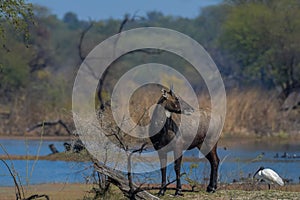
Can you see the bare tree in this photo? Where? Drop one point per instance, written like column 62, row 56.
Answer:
column 20, row 195
column 127, row 19
column 50, row 123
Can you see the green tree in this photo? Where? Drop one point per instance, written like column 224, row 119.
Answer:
column 71, row 19
column 264, row 38
column 15, row 16
column 14, row 70
column 16, row 13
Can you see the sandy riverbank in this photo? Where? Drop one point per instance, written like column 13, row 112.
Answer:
column 60, row 191
column 57, row 191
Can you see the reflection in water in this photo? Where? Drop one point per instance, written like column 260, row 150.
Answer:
column 237, row 162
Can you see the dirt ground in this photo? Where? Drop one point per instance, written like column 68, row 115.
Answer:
column 225, row 192
column 55, row 191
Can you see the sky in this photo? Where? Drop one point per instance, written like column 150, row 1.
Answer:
column 105, row 9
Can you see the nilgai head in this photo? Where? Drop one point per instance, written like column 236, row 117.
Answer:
column 174, row 104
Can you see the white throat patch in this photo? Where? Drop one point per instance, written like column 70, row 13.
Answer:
column 168, row 113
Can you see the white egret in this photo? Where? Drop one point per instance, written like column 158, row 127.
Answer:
column 269, row 176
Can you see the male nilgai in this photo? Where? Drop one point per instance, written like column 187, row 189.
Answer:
column 166, row 136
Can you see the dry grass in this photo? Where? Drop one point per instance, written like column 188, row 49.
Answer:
column 83, row 192
column 250, row 112
column 255, row 112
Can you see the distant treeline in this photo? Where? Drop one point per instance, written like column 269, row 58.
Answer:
column 253, row 42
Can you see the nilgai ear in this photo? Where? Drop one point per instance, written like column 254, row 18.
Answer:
column 171, row 89
column 164, row 93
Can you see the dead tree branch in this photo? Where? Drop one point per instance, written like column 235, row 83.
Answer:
column 117, row 136
column 50, row 123
column 13, row 173
column 80, row 50
column 127, row 19
column 82, row 35
column 132, row 190
column 101, row 79
column 36, row 196
column 122, row 183
column 18, row 193
column 170, row 188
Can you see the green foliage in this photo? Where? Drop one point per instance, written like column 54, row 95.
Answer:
column 71, row 20
column 17, row 13
column 283, row 134
column 191, row 172
column 263, row 37
column 13, row 76
column 14, row 72
column 250, row 40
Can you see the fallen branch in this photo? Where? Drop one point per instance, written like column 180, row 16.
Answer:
column 50, row 123
column 36, row 196
column 122, row 183
column 170, row 188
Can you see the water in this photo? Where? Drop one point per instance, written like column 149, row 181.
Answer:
column 239, row 160
column 29, row 147
column 41, row 171
column 244, row 158
column 31, row 172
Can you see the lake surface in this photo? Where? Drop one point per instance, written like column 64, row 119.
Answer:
column 237, row 161
column 41, row 171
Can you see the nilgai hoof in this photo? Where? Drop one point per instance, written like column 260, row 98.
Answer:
column 178, row 193
column 161, row 192
column 210, row 189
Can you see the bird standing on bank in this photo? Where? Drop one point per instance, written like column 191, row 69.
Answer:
column 269, row 176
